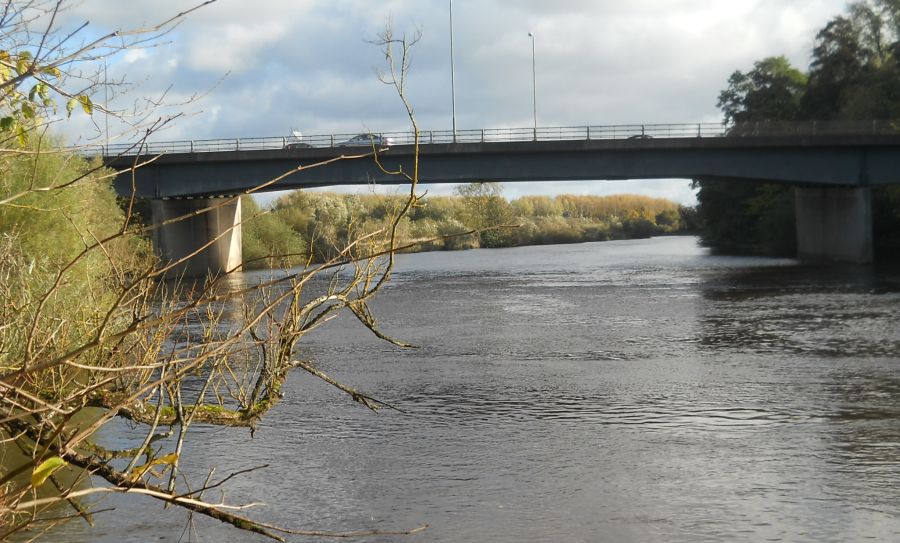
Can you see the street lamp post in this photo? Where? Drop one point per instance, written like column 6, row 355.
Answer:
column 452, row 75
column 533, row 83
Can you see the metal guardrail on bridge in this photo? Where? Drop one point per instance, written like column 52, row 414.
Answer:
column 490, row 135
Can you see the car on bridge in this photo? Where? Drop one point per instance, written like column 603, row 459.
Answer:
column 366, row 140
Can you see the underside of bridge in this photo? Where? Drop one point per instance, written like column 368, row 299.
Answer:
column 197, row 237
column 202, row 236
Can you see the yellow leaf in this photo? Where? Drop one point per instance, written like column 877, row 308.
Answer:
column 140, row 471
column 167, row 459
column 86, row 104
column 46, row 469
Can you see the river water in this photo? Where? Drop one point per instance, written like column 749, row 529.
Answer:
column 632, row 391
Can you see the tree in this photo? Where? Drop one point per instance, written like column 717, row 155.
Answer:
column 751, row 217
column 268, row 240
column 854, row 74
column 772, row 90
column 91, row 333
column 839, row 59
column 488, row 212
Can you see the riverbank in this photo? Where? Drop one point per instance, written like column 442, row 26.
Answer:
column 307, row 225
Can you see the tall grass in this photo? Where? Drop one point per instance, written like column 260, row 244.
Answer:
column 46, row 230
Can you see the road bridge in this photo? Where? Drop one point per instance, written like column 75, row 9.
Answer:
column 832, row 165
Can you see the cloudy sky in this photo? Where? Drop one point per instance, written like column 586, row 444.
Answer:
column 267, row 66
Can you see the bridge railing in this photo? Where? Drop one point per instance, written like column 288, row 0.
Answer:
column 496, row 135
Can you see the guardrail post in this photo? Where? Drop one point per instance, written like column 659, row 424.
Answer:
column 237, row 144
column 431, row 136
column 699, row 135
column 332, row 140
column 588, row 132
column 482, row 135
column 192, row 146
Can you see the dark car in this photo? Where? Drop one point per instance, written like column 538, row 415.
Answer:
column 297, row 145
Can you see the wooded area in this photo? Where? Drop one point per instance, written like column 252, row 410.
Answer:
column 854, row 74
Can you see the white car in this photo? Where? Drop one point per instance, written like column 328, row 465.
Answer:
column 366, row 140
column 295, row 141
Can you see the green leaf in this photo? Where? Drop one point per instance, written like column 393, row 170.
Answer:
column 46, row 469
column 86, row 104
column 22, row 135
column 7, row 122
column 70, row 105
column 27, row 111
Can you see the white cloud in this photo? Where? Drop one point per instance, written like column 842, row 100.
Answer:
column 308, row 64
column 135, row 55
column 235, row 46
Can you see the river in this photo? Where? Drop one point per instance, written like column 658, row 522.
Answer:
column 631, row 391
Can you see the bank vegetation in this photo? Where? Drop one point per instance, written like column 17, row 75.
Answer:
column 305, row 225
column 94, row 329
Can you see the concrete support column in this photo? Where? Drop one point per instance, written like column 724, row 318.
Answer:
column 834, row 224
column 214, row 235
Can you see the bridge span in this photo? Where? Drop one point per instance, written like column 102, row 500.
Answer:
column 832, row 165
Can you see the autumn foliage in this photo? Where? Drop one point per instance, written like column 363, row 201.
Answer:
column 304, row 225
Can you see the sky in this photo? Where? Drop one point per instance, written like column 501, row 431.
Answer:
column 262, row 68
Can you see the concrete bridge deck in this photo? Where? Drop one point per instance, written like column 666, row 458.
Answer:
column 818, row 155
column 833, row 166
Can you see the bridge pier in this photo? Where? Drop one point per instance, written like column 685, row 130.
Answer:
column 214, row 235
column 834, row 224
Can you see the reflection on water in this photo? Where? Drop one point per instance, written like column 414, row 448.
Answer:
column 847, row 311
column 623, row 391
